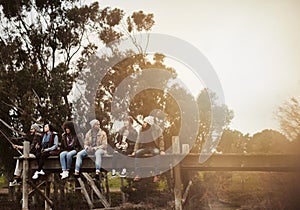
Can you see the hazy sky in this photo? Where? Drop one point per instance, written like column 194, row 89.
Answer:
column 254, row 47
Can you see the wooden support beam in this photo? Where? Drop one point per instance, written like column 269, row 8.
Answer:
column 26, row 149
column 85, row 193
column 177, row 188
column 96, row 190
column 186, row 192
column 46, row 198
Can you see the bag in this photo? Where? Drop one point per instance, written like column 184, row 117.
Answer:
column 55, row 152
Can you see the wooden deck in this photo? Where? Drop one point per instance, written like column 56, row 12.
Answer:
column 177, row 163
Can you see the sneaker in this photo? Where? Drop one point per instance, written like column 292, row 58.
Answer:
column 65, row 174
column 35, row 175
column 156, row 179
column 41, row 172
column 14, row 183
column 97, row 172
column 123, row 173
column 113, row 173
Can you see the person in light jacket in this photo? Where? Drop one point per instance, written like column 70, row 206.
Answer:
column 95, row 143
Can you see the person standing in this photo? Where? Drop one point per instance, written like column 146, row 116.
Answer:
column 70, row 145
column 95, row 143
column 48, row 147
column 124, row 144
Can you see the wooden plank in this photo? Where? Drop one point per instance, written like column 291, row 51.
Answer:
column 25, row 165
column 47, row 199
column 96, row 190
column 177, row 188
column 85, row 193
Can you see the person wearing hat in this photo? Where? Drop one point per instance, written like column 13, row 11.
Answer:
column 150, row 141
column 95, row 143
column 35, row 138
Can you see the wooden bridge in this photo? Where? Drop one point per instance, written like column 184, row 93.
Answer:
column 176, row 162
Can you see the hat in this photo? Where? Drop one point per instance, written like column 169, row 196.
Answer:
column 93, row 122
column 35, row 126
column 149, row 120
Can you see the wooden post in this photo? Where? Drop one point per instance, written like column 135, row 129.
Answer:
column 122, row 192
column 175, row 144
column 47, row 194
column 177, row 188
column 25, row 176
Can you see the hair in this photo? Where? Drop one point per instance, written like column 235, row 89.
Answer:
column 51, row 129
column 70, row 125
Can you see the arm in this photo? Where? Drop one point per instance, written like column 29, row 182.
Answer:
column 102, row 141
column 55, row 145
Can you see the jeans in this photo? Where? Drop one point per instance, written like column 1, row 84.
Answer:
column 80, row 155
column 65, row 158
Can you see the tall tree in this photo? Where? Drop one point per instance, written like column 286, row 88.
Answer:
column 289, row 118
column 40, row 41
column 213, row 116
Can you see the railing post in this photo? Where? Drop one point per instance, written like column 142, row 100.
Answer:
column 25, row 176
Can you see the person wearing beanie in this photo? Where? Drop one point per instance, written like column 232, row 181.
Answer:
column 95, row 143
column 149, row 142
column 124, row 144
column 35, row 139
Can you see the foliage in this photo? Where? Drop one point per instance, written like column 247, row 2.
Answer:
column 289, row 118
column 210, row 110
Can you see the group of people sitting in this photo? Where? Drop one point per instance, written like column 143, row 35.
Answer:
column 127, row 143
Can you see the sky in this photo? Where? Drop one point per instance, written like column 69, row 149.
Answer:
column 253, row 46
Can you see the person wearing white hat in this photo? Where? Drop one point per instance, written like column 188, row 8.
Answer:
column 95, row 143
column 148, row 143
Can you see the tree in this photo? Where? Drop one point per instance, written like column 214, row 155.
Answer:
column 268, row 141
column 233, row 141
column 40, row 42
column 289, row 118
column 213, row 116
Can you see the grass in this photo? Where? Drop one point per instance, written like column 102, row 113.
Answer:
column 2, row 181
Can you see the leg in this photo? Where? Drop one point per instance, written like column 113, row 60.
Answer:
column 42, row 160
column 79, row 158
column 155, row 153
column 62, row 159
column 138, row 154
column 70, row 158
column 98, row 155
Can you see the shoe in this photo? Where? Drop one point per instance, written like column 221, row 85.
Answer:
column 137, row 178
column 113, row 173
column 65, row 174
column 15, row 182
column 41, row 172
column 35, row 175
column 123, row 173
column 156, row 179
column 76, row 174
column 97, row 172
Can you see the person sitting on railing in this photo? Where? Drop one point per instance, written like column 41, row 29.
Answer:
column 124, row 144
column 70, row 145
column 48, row 147
column 150, row 141
column 95, row 143
column 35, row 139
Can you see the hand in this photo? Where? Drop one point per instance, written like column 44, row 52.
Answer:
column 43, row 150
column 162, row 152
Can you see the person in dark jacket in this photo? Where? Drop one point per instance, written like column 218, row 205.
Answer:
column 35, row 139
column 70, row 145
column 150, row 141
column 48, row 147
